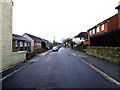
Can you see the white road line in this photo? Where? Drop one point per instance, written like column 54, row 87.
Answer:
column 99, row 71
column 43, row 54
column 48, row 58
column 12, row 73
column 73, row 54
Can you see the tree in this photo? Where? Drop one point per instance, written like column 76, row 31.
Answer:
column 43, row 45
column 68, row 42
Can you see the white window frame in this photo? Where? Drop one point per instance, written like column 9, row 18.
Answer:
column 90, row 32
column 25, row 44
column 16, row 43
column 102, row 27
column 21, row 44
column 98, row 29
column 93, row 31
column 28, row 44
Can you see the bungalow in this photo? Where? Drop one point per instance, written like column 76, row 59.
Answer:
column 35, row 41
column 20, row 43
column 80, row 37
column 105, row 33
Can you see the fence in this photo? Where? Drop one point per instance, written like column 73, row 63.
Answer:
column 106, row 39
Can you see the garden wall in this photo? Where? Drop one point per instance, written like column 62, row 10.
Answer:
column 31, row 54
column 111, row 54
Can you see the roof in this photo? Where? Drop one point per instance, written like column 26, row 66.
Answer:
column 45, row 40
column 118, row 7
column 102, row 22
column 82, row 34
column 20, row 38
column 36, row 39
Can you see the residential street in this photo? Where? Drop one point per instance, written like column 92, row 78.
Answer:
column 57, row 70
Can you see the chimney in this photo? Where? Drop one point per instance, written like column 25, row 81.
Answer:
column 118, row 7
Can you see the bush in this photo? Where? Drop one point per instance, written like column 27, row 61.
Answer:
column 43, row 45
column 81, row 47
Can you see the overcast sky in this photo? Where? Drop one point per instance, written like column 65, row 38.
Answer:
column 59, row 18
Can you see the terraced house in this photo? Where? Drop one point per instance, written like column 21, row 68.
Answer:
column 105, row 33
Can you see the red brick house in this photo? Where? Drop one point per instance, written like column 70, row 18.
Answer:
column 105, row 33
column 20, row 43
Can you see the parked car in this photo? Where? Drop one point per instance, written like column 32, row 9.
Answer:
column 55, row 48
column 59, row 47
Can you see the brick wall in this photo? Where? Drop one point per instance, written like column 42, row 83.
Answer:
column 88, row 37
column 109, row 26
column 32, row 41
column 113, row 23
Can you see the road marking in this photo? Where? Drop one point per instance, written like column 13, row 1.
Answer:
column 43, row 54
column 48, row 58
column 100, row 72
column 73, row 54
column 3, row 78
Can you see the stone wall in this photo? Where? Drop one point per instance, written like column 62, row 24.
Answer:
column 111, row 54
column 7, row 57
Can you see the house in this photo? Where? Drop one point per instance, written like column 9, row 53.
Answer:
column 105, row 33
column 80, row 37
column 35, row 41
column 20, row 43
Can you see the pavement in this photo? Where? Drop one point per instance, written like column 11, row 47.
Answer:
column 18, row 67
column 56, row 70
column 110, row 69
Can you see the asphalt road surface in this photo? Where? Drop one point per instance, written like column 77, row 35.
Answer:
column 57, row 70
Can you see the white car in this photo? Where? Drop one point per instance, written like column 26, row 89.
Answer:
column 55, row 48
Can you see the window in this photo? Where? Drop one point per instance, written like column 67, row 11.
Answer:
column 93, row 31
column 28, row 44
column 16, row 43
column 102, row 27
column 21, row 44
column 25, row 44
column 90, row 32
column 37, row 44
column 98, row 29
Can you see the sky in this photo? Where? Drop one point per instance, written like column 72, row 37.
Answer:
column 59, row 18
